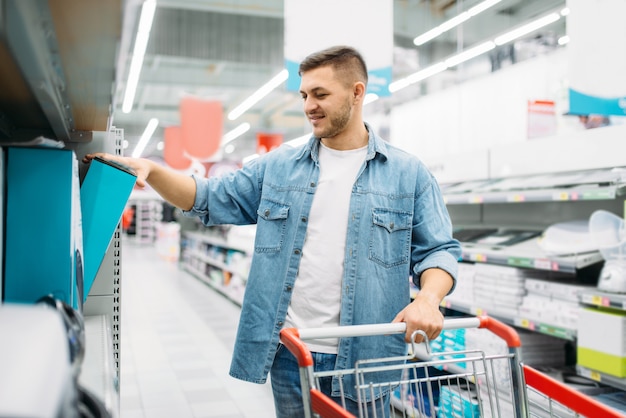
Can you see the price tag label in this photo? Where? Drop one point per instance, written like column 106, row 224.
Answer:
column 596, row 300
column 595, row 375
column 515, row 198
column 543, row 264
column 525, row 323
column 561, row 196
column 479, row 257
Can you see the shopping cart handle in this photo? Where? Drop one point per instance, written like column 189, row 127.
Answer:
column 293, row 338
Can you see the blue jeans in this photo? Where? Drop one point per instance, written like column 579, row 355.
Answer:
column 285, row 378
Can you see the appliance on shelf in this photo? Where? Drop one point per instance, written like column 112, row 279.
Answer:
column 43, row 230
column 608, row 232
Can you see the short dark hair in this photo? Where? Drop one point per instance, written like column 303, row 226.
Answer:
column 344, row 59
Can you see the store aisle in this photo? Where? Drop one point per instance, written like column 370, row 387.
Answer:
column 177, row 338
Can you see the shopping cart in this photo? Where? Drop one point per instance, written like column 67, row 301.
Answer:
column 469, row 383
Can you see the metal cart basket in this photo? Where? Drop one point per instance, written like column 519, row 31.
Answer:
column 455, row 384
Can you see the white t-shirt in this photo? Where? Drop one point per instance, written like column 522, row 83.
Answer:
column 316, row 298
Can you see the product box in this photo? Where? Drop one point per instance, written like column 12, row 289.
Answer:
column 43, row 254
column 103, row 196
column 602, row 341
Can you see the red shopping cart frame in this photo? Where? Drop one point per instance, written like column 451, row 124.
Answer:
column 542, row 383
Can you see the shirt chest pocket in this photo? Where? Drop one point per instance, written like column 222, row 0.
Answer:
column 271, row 226
column 390, row 238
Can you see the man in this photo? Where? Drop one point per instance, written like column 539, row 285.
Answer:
column 342, row 222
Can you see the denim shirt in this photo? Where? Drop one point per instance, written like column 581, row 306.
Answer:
column 398, row 227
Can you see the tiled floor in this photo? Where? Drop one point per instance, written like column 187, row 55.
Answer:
column 177, row 338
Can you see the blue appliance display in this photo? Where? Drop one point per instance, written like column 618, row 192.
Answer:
column 43, row 233
column 103, row 196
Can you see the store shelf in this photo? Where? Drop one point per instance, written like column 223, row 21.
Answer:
column 532, row 325
column 549, row 195
column 528, row 254
column 215, row 241
column 235, row 295
column 98, row 373
column 604, row 299
column 607, row 379
column 58, row 68
column 604, row 184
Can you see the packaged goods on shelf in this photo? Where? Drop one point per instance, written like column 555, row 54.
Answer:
column 556, row 289
column 546, row 310
column 602, row 341
column 464, row 290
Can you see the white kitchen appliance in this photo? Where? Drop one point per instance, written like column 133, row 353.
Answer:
column 608, row 232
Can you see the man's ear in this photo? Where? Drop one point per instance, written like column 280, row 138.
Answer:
column 358, row 90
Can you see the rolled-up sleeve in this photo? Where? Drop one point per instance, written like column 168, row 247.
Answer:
column 201, row 203
column 433, row 245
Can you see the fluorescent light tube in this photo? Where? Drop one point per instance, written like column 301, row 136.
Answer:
column 235, row 133
column 469, row 54
column 145, row 137
column 454, row 22
column 527, row 28
column 479, row 8
column 139, row 51
column 259, row 94
column 417, row 77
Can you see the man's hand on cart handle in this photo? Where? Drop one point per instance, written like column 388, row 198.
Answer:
column 423, row 313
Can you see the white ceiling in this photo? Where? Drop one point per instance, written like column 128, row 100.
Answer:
column 225, row 50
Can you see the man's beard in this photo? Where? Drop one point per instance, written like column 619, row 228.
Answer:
column 338, row 122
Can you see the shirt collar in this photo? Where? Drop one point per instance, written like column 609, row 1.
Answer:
column 375, row 145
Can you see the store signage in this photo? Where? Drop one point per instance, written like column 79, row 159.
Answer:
column 597, row 63
column 366, row 25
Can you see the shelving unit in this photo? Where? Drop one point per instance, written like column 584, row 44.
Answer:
column 148, row 214
column 56, row 82
column 531, row 325
column 603, row 300
column 217, row 263
column 534, row 202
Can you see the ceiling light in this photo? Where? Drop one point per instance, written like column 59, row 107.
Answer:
column 259, row 94
column 479, row 8
column 563, row 40
column 418, row 76
column 469, row 54
column 235, row 133
column 139, row 51
column 527, row 28
column 454, row 22
column 145, row 137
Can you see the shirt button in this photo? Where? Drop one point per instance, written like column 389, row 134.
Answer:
column 312, row 184
column 296, row 251
column 303, row 219
column 391, row 225
column 267, row 212
column 280, row 323
column 289, row 288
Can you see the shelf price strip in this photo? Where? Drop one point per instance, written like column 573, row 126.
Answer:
column 591, row 374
